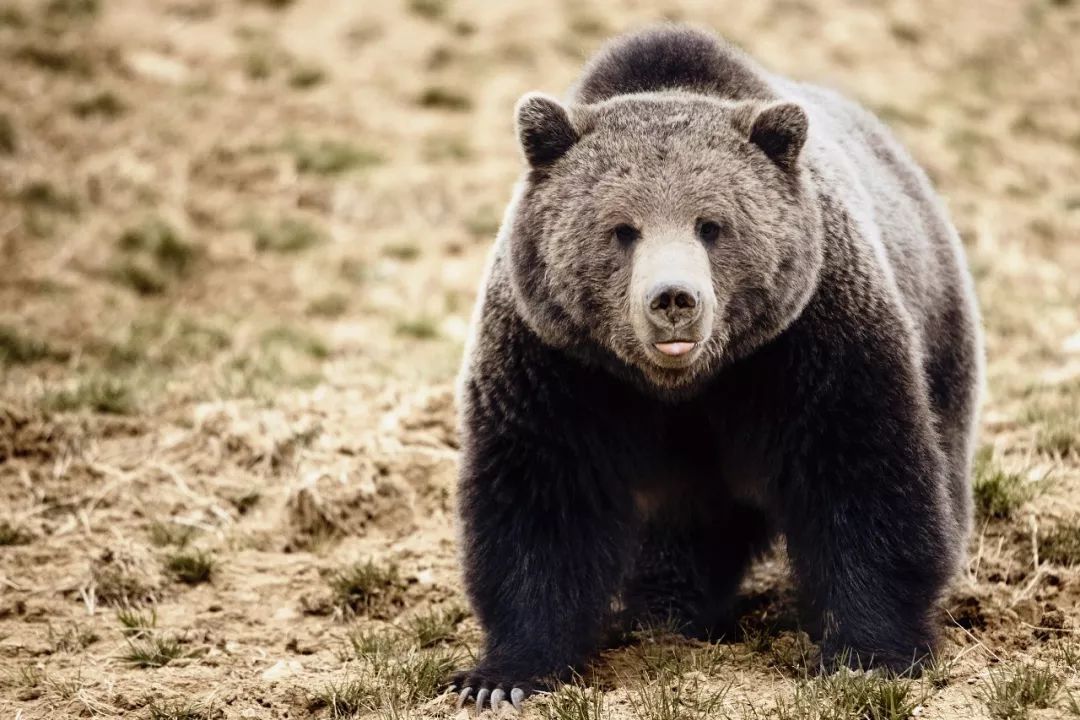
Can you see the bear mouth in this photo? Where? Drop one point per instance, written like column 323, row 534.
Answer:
column 675, row 348
column 674, row 354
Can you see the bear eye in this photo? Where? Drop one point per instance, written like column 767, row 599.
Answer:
column 625, row 234
column 708, row 230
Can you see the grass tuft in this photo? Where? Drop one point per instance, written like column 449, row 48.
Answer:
column 191, row 568
column 305, row 76
column 1061, row 546
column 163, row 534
column 1059, row 439
column 355, row 271
column 13, row 535
column 164, row 342
column 103, row 104
column 43, row 195
column 350, row 697
column 484, row 223
column 123, row 582
column 163, row 243
column 177, row 710
column 295, row 339
column 329, row 157
column 140, row 277
column 998, row 494
column 331, row 305
column 8, row 138
column 588, row 25
column 420, row 675
column 71, row 639
column 135, row 622
column 402, row 251
column 1010, row 694
column 852, row 694
column 389, row 688
column 377, row 646
column 429, row 9
column 755, row 635
column 16, row 348
column 13, row 17
column 939, row 672
column 244, row 502
column 442, row 148
column 259, row 62
column 676, row 697
column 1067, row 652
column 287, row 235
column 1056, row 415
column 56, row 59
column 106, row 395
column 436, row 627
column 421, row 328
column 26, row 678
column 154, row 651
column 367, row 588
column 575, row 702
column 76, row 9
column 262, row 375
column 438, row 97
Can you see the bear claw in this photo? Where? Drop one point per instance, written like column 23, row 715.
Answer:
column 492, row 699
column 487, row 692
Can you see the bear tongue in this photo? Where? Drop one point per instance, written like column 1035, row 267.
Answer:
column 675, row 348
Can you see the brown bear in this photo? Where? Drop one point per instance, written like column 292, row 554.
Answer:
column 723, row 306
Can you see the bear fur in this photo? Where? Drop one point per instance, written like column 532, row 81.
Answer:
column 830, row 395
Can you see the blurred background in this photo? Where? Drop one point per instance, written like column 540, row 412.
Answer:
column 239, row 246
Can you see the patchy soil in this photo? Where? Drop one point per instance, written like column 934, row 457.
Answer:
column 240, row 242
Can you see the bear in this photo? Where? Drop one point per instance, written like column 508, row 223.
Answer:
column 724, row 307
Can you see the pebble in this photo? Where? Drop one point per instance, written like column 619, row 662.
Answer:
column 281, row 670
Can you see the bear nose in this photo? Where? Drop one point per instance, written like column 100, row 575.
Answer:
column 673, row 304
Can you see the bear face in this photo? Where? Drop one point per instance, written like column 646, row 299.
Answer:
column 663, row 234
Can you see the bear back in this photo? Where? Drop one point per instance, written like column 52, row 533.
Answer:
column 671, row 57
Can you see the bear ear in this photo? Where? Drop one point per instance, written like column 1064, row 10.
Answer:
column 779, row 130
column 544, row 129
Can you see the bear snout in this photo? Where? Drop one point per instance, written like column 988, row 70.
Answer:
column 672, row 302
column 673, row 305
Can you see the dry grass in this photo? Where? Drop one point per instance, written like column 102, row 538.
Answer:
column 576, row 702
column 240, row 244
column 287, row 235
column 1012, row 694
column 367, row 588
column 1061, row 545
column 13, row 535
column 436, row 627
column 191, row 568
column 998, row 494
column 181, row 710
column 135, row 621
column 154, row 651
column 329, row 157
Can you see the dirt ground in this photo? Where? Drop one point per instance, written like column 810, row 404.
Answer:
column 240, row 243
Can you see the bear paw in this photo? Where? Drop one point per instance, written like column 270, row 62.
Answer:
column 489, row 689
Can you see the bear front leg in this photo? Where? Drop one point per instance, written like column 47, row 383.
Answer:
column 866, row 513
column 546, row 544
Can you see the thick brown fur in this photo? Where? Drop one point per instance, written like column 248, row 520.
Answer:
column 831, row 395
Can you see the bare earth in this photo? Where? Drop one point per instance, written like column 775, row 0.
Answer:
column 239, row 246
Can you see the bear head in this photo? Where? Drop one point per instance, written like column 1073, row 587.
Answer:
column 663, row 234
